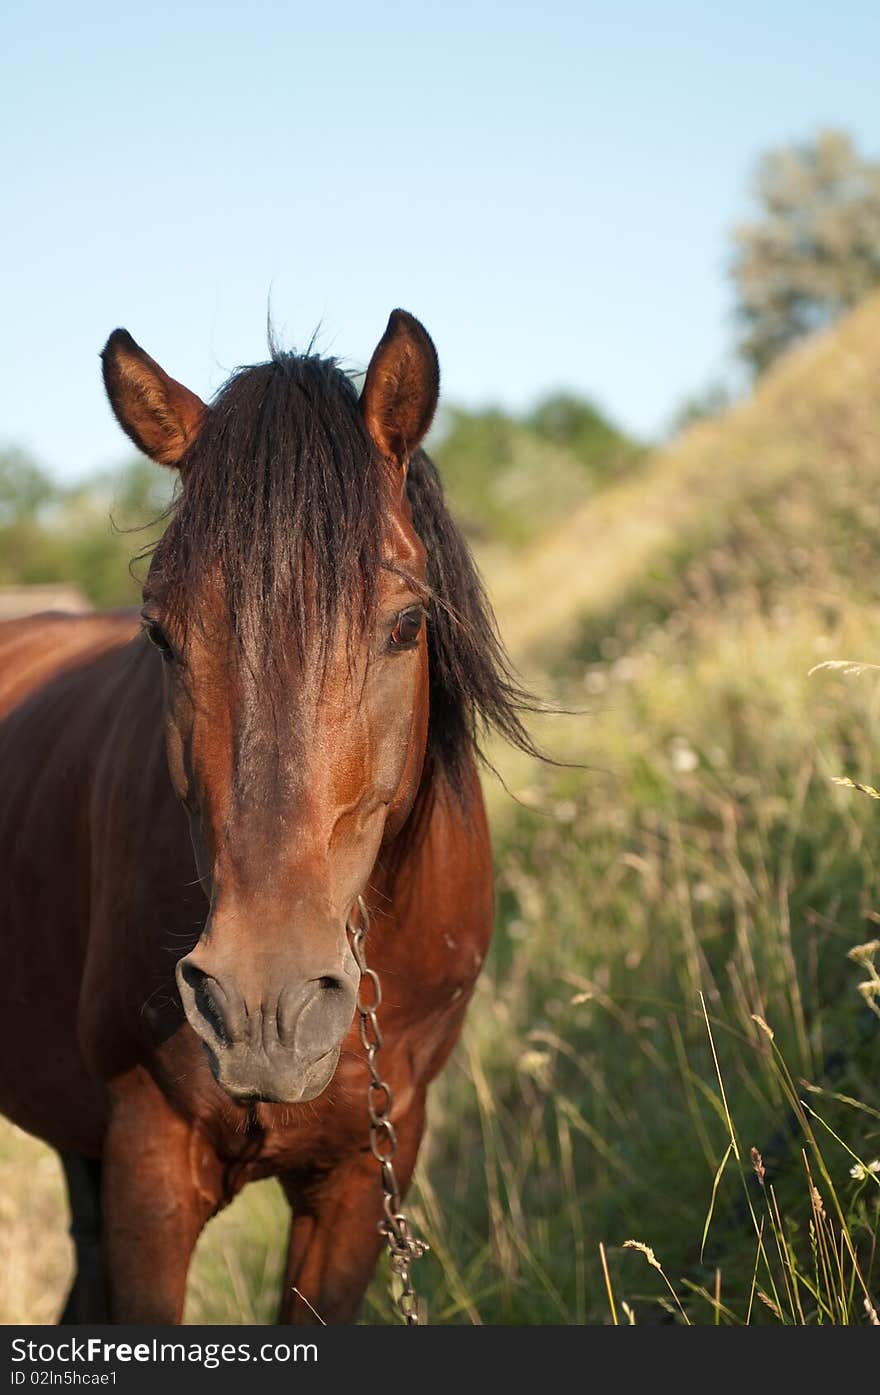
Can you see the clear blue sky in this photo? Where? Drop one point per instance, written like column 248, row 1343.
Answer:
column 548, row 186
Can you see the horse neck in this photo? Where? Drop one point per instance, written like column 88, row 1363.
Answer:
column 437, row 800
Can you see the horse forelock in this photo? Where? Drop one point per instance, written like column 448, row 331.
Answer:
column 285, row 502
column 282, row 503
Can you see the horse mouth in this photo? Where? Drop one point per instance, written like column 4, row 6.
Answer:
column 272, row 1080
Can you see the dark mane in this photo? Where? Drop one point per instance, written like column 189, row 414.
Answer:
column 285, row 494
column 473, row 685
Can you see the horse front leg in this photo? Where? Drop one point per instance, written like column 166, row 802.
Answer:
column 334, row 1235
column 160, row 1185
column 87, row 1300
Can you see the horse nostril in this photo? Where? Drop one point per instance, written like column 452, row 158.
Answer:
column 206, row 991
column 315, row 1016
column 334, row 985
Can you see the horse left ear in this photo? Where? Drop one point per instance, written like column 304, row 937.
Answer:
column 401, row 388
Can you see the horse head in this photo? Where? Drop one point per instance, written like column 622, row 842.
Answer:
column 287, row 604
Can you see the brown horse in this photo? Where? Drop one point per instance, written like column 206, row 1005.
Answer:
column 204, row 792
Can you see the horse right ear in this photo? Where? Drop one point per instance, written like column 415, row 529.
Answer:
column 160, row 415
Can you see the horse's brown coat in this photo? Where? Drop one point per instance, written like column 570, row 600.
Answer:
column 100, row 897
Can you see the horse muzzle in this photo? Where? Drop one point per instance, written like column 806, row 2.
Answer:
column 278, row 1042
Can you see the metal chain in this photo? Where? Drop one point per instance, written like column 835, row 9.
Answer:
column 403, row 1246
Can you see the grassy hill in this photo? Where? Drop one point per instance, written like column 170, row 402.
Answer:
column 819, row 410
column 672, row 980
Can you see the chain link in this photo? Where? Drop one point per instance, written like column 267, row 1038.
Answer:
column 403, row 1245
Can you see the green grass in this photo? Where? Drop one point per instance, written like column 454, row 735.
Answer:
column 714, row 857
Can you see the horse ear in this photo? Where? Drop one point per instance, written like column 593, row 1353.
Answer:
column 401, row 388
column 160, row 415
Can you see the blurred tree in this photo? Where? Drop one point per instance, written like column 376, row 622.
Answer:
column 815, row 250
column 140, row 491
column 24, row 487
column 579, row 426
column 508, row 477
column 86, row 533
column 479, row 454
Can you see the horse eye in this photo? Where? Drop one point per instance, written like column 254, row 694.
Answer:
column 157, row 636
column 407, row 629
